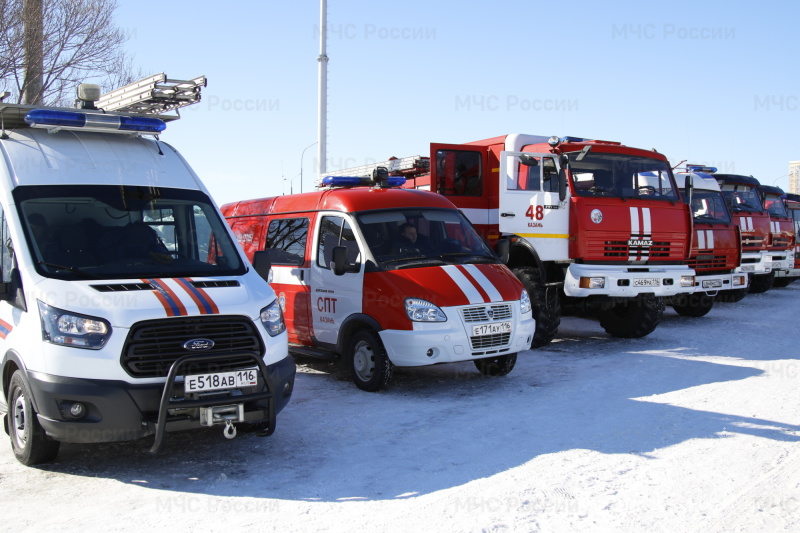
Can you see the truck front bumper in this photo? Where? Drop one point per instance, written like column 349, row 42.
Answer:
column 628, row 281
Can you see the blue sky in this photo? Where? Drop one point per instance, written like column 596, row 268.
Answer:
column 708, row 82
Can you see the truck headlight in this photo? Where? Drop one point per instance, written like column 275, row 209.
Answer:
column 423, row 311
column 272, row 319
column 72, row 329
column 687, row 281
column 524, row 302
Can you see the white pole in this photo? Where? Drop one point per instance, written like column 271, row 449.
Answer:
column 322, row 119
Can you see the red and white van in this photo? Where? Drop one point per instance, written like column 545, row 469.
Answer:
column 351, row 284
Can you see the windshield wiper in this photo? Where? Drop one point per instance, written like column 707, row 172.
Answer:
column 468, row 254
column 72, row 269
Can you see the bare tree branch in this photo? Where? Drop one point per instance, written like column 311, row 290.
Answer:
column 80, row 43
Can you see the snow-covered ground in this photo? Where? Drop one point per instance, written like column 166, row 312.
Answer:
column 694, row 428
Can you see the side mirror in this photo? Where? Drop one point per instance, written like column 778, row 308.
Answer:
column 4, row 290
column 262, row 264
column 503, row 249
column 688, row 185
column 563, row 162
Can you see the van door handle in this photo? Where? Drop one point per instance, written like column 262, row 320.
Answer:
column 507, row 214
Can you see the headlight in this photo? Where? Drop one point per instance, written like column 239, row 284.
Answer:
column 423, row 311
column 72, row 329
column 524, row 302
column 272, row 319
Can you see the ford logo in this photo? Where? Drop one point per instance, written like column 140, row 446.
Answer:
column 197, row 345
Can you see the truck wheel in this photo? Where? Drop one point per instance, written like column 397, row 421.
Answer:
column 694, row 305
column 496, row 366
column 633, row 318
column 782, row 282
column 368, row 362
column 732, row 296
column 28, row 440
column 546, row 305
column 762, row 283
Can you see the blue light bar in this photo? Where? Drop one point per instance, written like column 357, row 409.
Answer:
column 573, row 139
column 701, row 168
column 356, row 181
column 49, row 118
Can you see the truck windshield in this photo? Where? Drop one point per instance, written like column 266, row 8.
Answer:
column 742, row 198
column 709, row 206
column 774, row 205
column 399, row 236
column 622, row 176
column 114, row 232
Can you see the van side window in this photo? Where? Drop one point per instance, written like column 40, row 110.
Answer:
column 336, row 231
column 459, row 173
column 286, row 241
column 8, row 266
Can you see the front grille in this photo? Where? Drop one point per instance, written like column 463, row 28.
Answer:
column 490, row 341
column 621, row 249
column 486, row 313
column 752, row 243
column 153, row 345
column 709, row 261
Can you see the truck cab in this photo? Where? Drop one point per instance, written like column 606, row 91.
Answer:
column 126, row 308
column 716, row 246
column 792, row 202
column 744, row 201
column 782, row 237
column 385, row 277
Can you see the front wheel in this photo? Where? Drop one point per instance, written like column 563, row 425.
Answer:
column 545, row 302
column 731, row 296
column 28, row 440
column 496, row 366
column 782, row 282
column 761, row 283
column 693, row 305
column 369, row 364
column 633, row 317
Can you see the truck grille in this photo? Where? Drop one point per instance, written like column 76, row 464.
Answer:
column 153, row 345
column 752, row 243
column 488, row 313
column 489, row 341
column 709, row 261
column 620, row 249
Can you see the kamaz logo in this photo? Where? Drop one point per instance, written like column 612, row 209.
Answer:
column 640, row 242
column 197, row 345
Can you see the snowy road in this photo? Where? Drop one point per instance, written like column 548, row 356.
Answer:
column 694, row 428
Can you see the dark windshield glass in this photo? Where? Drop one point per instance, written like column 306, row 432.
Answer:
column 403, row 235
column 742, row 198
column 622, row 176
column 112, row 232
column 774, row 205
column 709, row 206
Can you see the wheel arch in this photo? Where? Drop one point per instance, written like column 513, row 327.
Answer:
column 350, row 325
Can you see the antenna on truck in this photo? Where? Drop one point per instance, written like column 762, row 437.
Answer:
column 153, row 95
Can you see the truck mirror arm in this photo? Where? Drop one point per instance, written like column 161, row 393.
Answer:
column 262, row 264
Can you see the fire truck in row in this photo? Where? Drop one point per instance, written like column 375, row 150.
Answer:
column 792, row 202
column 596, row 228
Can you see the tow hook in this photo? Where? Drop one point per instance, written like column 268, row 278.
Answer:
column 230, row 430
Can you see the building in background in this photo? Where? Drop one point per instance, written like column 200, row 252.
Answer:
column 794, row 177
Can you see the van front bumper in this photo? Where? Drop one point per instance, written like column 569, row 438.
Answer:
column 119, row 411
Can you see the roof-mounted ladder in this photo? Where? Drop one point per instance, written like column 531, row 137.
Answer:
column 153, row 95
column 407, row 167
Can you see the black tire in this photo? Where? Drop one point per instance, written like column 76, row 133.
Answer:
column 761, row 283
column 731, row 296
column 28, row 440
column 693, row 305
column 496, row 366
column 545, row 302
column 782, row 282
column 632, row 318
column 369, row 364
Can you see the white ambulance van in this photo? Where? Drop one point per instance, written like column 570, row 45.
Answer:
column 126, row 307
column 382, row 276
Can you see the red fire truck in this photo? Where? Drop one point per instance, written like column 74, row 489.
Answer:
column 792, row 202
column 741, row 193
column 781, row 241
column 595, row 227
column 716, row 245
column 385, row 276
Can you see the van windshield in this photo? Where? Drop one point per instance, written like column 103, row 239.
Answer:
column 114, row 232
column 398, row 238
